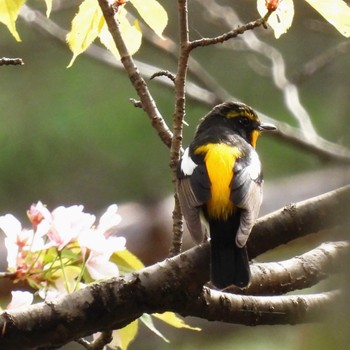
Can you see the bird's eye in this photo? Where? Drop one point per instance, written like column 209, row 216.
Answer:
column 244, row 121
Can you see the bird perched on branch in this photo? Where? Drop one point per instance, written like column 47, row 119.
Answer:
column 220, row 188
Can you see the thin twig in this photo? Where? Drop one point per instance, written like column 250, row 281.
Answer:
column 210, row 95
column 4, row 61
column 136, row 103
column 231, row 34
column 133, row 72
column 176, row 245
column 100, row 342
column 195, row 69
column 164, row 73
column 178, row 118
column 290, row 92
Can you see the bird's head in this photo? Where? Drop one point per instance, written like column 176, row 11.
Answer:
column 236, row 117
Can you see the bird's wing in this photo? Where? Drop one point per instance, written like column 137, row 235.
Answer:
column 193, row 187
column 246, row 193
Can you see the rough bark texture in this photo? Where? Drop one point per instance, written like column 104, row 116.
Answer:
column 177, row 285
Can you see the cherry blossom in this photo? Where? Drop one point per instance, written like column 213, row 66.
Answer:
column 37, row 213
column 99, row 248
column 54, row 255
column 109, row 219
column 17, row 240
column 64, row 225
column 20, row 299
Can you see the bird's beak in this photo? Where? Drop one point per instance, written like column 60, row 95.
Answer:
column 266, row 127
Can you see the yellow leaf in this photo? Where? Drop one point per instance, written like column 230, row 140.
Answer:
column 171, row 319
column 336, row 12
column 131, row 34
column 86, row 26
column 148, row 322
column 281, row 19
column 126, row 261
column 8, row 14
column 153, row 13
column 123, row 337
column 48, row 7
column 66, row 279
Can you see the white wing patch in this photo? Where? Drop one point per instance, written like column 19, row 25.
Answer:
column 187, row 164
column 254, row 168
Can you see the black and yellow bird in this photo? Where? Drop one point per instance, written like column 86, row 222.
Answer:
column 219, row 183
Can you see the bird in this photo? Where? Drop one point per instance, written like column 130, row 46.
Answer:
column 219, row 183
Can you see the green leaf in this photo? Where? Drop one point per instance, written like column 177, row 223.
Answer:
column 281, row 19
column 336, row 12
column 126, row 261
column 70, row 255
column 131, row 35
column 148, row 322
column 50, row 256
column 153, row 13
column 86, row 26
column 124, row 336
column 171, row 319
column 9, row 10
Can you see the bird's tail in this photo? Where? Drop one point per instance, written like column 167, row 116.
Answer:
column 229, row 263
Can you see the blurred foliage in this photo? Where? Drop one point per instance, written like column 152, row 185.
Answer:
column 71, row 135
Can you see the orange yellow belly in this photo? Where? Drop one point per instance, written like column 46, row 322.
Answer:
column 219, row 159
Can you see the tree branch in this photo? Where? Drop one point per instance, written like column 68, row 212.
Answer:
column 300, row 272
column 297, row 220
column 5, row 61
column 137, row 81
column 231, row 34
column 177, row 285
column 178, row 118
column 323, row 149
column 253, row 311
column 278, row 66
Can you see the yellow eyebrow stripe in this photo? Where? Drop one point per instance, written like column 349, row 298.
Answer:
column 219, row 160
column 241, row 113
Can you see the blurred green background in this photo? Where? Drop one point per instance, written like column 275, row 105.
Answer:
column 71, row 136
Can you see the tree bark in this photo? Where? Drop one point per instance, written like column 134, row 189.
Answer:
column 177, row 285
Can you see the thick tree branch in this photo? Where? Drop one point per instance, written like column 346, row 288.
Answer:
column 252, row 311
column 177, row 285
column 297, row 220
column 300, row 272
